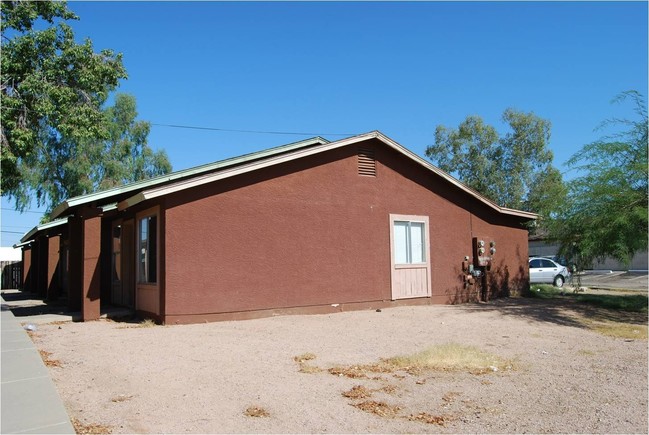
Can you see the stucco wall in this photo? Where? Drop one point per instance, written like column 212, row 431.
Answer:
column 314, row 232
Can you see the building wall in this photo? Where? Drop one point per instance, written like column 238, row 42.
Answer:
column 313, row 232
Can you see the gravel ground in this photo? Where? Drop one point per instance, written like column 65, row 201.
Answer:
column 202, row 378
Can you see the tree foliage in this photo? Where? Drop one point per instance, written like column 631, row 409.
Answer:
column 606, row 213
column 56, row 139
column 514, row 170
column 72, row 168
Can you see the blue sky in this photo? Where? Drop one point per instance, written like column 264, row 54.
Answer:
column 351, row 67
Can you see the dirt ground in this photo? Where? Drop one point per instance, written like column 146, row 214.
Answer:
column 241, row 377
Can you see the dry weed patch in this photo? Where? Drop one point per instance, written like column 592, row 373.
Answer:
column 49, row 362
column 93, row 429
column 450, row 357
column 147, row 323
column 256, row 411
column 121, row 398
column 302, row 361
column 445, row 357
column 358, row 392
column 381, row 409
column 429, row 418
column 450, row 396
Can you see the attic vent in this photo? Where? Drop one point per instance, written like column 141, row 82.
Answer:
column 366, row 162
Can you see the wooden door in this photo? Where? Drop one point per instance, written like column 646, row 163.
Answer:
column 410, row 253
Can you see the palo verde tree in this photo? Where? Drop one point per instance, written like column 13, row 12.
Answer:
column 54, row 133
column 606, row 211
column 512, row 169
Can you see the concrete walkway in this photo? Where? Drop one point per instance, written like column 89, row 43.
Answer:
column 30, row 402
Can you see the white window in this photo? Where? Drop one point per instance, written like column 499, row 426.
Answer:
column 409, row 242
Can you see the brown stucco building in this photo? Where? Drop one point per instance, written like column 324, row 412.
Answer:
column 313, row 226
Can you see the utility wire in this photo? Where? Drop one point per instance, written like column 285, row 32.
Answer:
column 252, row 131
column 24, row 211
column 191, row 127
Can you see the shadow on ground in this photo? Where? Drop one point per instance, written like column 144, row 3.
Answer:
column 563, row 311
column 25, row 305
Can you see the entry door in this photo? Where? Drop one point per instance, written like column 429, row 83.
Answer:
column 410, row 252
column 122, row 264
column 128, row 263
column 116, row 264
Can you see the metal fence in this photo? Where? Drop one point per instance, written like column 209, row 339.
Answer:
column 12, row 274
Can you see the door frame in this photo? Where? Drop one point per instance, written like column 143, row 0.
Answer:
column 423, row 269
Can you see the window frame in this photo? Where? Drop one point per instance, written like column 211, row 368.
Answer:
column 140, row 217
column 425, row 249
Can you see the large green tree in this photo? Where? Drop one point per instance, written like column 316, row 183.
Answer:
column 606, row 211
column 56, row 140
column 513, row 169
column 71, row 168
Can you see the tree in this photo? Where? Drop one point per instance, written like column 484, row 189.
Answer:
column 57, row 141
column 514, row 170
column 71, row 168
column 606, row 213
column 52, row 91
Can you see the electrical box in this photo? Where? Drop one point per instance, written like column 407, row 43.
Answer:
column 484, row 249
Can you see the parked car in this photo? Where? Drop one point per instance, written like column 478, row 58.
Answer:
column 544, row 270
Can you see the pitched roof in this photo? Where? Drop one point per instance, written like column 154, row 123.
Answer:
column 108, row 195
column 134, row 193
column 156, row 191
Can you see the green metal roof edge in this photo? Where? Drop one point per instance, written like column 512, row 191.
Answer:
column 45, row 226
column 83, row 199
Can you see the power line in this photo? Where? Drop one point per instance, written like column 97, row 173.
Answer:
column 11, row 232
column 24, row 211
column 192, row 127
column 252, row 131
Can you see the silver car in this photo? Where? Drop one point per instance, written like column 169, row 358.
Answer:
column 544, row 270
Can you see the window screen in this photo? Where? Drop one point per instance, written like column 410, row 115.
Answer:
column 409, row 242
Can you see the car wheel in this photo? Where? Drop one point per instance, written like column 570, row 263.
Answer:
column 558, row 281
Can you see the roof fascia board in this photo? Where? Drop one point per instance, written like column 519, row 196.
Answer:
column 198, row 181
column 37, row 229
column 21, row 244
column 144, row 184
column 455, row 181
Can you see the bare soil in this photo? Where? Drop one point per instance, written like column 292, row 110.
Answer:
column 273, row 375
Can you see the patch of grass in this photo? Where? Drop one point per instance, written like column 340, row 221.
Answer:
column 93, row 429
column 632, row 303
column 256, row 411
column 545, row 291
column 619, row 330
column 353, row 372
column 586, row 352
column 48, row 361
column 381, row 409
column 624, row 302
column 451, row 357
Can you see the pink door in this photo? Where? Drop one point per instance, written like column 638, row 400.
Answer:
column 410, row 262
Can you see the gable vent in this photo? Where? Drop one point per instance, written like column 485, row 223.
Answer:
column 366, row 162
